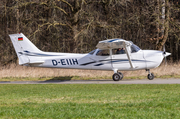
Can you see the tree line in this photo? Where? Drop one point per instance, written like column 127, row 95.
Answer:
column 77, row 25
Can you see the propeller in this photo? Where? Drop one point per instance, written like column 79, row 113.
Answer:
column 164, row 53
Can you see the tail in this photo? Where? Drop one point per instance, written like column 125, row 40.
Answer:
column 25, row 49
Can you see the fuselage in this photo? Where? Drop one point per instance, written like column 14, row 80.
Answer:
column 142, row 59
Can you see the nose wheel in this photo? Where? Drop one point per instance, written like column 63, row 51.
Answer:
column 150, row 76
column 117, row 76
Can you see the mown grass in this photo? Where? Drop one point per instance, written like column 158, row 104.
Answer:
column 89, row 101
column 62, row 78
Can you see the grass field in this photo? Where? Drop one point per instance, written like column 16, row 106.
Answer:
column 89, row 101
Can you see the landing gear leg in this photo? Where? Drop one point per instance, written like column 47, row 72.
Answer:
column 117, row 76
column 150, row 75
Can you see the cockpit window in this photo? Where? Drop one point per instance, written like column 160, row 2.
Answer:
column 118, row 51
column 103, row 53
column 134, row 48
column 92, row 52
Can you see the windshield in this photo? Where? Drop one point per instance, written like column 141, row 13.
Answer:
column 134, row 48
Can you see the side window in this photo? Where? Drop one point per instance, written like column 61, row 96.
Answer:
column 118, row 51
column 103, row 53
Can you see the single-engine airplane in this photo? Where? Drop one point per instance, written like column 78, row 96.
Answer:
column 112, row 54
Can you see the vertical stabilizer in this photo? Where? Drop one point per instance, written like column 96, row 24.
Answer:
column 23, row 45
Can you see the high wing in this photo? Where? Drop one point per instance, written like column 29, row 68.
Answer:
column 116, row 43
column 112, row 43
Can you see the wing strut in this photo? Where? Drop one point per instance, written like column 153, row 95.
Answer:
column 127, row 52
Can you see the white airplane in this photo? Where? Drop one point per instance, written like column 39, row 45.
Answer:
column 112, row 54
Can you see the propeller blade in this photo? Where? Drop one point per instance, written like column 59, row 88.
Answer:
column 164, row 49
column 165, row 61
column 164, row 53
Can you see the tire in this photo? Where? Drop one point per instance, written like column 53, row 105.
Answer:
column 120, row 75
column 150, row 76
column 116, row 76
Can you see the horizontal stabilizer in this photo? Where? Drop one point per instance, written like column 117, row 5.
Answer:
column 36, row 62
column 31, row 62
column 23, row 59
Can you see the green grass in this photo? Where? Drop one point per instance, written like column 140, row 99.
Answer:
column 78, row 78
column 89, row 101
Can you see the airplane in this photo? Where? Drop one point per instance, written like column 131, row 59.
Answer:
column 111, row 54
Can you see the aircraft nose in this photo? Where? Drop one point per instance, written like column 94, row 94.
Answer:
column 166, row 54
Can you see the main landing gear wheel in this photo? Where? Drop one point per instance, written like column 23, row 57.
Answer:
column 150, row 76
column 117, row 76
column 121, row 75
